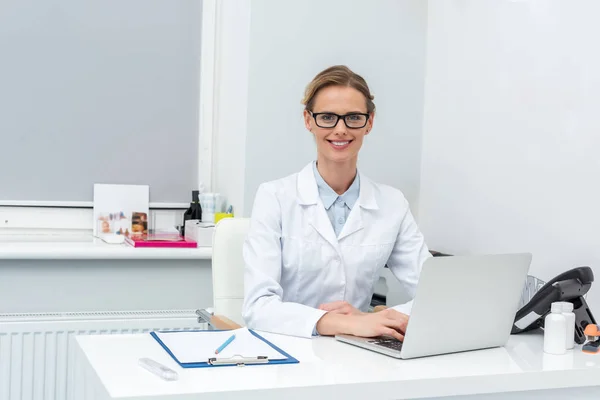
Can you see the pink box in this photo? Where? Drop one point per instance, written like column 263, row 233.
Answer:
column 161, row 241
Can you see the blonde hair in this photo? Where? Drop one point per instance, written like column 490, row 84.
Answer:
column 338, row 75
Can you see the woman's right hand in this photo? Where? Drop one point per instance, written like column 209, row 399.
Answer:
column 388, row 322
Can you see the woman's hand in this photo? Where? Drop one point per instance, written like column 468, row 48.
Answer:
column 388, row 322
column 340, row 307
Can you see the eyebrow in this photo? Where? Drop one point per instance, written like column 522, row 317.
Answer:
column 348, row 113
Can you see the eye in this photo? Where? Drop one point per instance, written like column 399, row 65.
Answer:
column 355, row 117
column 326, row 117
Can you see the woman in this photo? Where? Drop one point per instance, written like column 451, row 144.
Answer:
column 318, row 239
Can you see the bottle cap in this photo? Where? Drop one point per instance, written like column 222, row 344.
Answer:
column 556, row 307
column 567, row 306
column 195, row 196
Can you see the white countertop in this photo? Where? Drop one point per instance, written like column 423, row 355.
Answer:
column 330, row 369
column 84, row 247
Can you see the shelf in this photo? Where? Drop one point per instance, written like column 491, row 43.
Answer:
column 86, row 247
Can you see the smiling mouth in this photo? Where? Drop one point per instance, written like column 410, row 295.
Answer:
column 340, row 143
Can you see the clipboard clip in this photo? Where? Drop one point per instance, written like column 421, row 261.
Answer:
column 204, row 315
column 239, row 360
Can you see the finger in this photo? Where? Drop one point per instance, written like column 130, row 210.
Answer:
column 390, row 312
column 398, row 316
column 393, row 333
column 399, row 326
column 403, row 319
column 328, row 307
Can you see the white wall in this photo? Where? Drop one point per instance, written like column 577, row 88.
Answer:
column 231, row 100
column 291, row 41
column 511, row 132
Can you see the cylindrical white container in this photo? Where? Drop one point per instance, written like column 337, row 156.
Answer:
column 567, row 311
column 555, row 330
column 207, row 202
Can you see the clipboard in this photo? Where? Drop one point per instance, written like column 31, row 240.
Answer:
column 237, row 360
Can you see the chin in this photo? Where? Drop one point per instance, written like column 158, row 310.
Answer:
column 341, row 157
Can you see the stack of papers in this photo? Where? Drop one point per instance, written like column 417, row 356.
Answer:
column 198, row 347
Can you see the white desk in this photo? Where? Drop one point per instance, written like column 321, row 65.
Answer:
column 331, row 370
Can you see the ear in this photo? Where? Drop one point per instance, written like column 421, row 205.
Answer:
column 370, row 122
column 307, row 120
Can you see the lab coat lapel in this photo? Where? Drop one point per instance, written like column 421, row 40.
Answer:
column 366, row 201
column 353, row 224
column 319, row 220
column 308, row 195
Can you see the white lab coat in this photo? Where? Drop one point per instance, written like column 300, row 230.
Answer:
column 294, row 262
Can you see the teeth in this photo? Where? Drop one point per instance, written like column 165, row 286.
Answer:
column 340, row 143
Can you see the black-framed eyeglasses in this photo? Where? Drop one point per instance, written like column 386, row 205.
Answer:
column 329, row 120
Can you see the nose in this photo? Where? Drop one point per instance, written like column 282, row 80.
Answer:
column 340, row 128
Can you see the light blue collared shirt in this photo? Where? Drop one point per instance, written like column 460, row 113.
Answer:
column 337, row 206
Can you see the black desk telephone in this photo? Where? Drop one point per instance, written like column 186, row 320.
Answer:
column 569, row 286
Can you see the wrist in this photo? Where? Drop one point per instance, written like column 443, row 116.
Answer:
column 332, row 324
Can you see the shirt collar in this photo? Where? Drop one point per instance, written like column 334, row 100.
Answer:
column 329, row 196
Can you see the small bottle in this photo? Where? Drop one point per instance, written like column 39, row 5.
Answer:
column 567, row 311
column 193, row 212
column 555, row 330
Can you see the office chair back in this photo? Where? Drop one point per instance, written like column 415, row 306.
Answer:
column 228, row 267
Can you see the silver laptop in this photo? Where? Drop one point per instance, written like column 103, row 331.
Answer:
column 462, row 303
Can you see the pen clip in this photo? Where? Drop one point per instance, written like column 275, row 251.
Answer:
column 238, row 360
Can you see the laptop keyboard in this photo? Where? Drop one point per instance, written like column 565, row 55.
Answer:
column 390, row 343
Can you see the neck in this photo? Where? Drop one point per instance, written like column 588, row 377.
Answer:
column 338, row 175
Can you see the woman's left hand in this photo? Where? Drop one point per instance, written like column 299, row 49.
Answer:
column 340, row 307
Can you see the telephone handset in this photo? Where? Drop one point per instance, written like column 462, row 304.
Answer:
column 569, row 286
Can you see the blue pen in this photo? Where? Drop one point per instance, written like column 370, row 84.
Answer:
column 221, row 347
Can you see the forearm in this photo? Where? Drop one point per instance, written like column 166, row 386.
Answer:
column 270, row 314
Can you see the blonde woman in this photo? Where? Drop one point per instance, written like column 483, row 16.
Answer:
column 318, row 239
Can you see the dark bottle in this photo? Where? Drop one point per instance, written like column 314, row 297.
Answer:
column 194, row 212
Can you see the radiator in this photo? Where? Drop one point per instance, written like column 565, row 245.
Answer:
column 37, row 354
